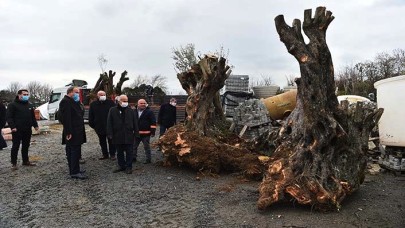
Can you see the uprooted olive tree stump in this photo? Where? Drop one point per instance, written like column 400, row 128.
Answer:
column 105, row 83
column 203, row 143
column 320, row 157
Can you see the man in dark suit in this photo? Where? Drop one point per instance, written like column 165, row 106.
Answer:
column 122, row 128
column 21, row 119
column 73, row 134
column 167, row 115
column 98, row 113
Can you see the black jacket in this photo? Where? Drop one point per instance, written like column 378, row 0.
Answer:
column 98, row 114
column 167, row 115
column 73, row 122
column 21, row 115
column 122, row 128
column 2, row 115
column 146, row 122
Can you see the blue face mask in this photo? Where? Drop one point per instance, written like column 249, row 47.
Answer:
column 25, row 98
column 76, row 97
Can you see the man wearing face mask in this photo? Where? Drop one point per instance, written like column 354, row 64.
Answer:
column 98, row 113
column 122, row 128
column 21, row 118
column 73, row 134
column 147, row 128
column 167, row 116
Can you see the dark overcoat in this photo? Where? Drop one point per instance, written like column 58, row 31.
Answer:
column 98, row 114
column 73, row 122
column 167, row 115
column 122, row 128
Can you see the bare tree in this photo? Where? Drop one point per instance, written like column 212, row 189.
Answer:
column 290, row 80
column 102, row 62
column 159, row 81
column 13, row 87
column 35, row 89
column 139, row 80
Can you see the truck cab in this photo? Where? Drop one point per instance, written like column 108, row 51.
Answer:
column 57, row 95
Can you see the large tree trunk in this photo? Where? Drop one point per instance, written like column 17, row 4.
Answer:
column 321, row 154
column 105, row 83
column 202, row 84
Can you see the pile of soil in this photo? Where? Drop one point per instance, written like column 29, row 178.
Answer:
column 214, row 154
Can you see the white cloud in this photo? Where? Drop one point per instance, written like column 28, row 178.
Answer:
column 55, row 41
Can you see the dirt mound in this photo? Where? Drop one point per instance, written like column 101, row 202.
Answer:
column 226, row 153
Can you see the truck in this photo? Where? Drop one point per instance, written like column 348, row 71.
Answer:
column 57, row 95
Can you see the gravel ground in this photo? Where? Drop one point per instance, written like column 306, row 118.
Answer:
column 156, row 196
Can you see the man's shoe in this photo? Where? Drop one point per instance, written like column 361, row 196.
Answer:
column 113, row 158
column 82, row 161
column 128, row 171
column 14, row 168
column 103, row 158
column 118, row 170
column 147, row 162
column 28, row 164
column 134, row 160
column 82, row 171
column 79, row 175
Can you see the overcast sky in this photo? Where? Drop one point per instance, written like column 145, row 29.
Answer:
column 55, row 41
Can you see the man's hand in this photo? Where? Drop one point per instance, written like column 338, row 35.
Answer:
column 68, row 137
column 36, row 128
column 14, row 130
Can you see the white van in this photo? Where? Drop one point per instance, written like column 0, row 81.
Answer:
column 58, row 94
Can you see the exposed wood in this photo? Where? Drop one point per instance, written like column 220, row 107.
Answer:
column 320, row 155
column 202, row 84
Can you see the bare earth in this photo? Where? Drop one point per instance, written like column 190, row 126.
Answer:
column 156, row 196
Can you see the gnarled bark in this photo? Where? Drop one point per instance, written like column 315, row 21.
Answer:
column 202, row 84
column 320, row 156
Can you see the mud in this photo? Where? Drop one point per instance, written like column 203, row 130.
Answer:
column 156, row 196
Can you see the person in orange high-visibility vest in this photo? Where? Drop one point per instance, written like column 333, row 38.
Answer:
column 147, row 128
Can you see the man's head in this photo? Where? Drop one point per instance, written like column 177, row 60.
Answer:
column 173, row 101
column 123, row 101
column 142, row 104
column 74, row 93
column 23, row 95
column 101, row 95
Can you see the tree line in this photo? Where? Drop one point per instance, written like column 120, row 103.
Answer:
column 359, row 78
column 39, row 92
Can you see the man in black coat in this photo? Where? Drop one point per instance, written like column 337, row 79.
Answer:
column 98, row 121
column 3, row 143
column 21, row 119
column 73, row 134
column 122, row 128
column 167, row 116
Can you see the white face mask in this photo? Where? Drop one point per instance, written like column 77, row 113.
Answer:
column 173, row 103
column 103, row 98
column 124, row 104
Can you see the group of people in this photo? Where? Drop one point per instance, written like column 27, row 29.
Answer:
column 120, row 129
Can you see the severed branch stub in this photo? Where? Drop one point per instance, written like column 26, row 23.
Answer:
column 320, row 155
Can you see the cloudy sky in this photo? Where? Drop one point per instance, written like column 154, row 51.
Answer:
column 54, row 41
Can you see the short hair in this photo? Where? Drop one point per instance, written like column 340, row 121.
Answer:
column 19, row 92
column 70, row 89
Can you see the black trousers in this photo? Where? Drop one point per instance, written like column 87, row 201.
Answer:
column 103, row 144
column 73, row 153
column 20, row 137
column 3, row 143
